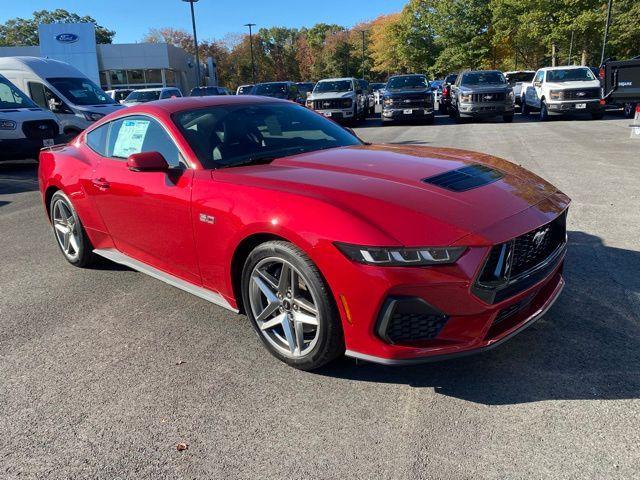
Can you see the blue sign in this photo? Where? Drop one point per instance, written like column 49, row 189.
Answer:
column 67, row 38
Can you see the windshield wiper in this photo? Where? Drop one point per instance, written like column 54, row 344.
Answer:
column 270, row 157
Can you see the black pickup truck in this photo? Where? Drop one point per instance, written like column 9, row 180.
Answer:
column 621, row 84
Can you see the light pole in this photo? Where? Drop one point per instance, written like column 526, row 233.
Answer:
column 570, row 49
column 195, row 40
column 363, row 40
column 606, row 32
column 253, row 64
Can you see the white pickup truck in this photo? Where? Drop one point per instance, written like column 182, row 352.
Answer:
column 563, row 90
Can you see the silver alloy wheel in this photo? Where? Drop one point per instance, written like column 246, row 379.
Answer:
column 66, row 230
column 284, row 307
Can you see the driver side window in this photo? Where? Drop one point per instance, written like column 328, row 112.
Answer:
column 539, row 77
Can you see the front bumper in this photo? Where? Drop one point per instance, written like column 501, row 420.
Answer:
column 410, row 113
column 485, row 109
column 559, row 108
column 338, row 115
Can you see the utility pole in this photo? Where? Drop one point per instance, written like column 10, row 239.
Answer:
column 253, row 63
column 363, row 40
column 606, row 32
column 570, row 49
column 553, row 54
column 195, row 40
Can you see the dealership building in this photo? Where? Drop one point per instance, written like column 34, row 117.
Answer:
column 126, row 65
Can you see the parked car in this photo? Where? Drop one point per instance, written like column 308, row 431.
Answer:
column 407, row 97
column 24, row 128
column 145, row 95
column 305, row 88
column 444, row 100
column 74, row 99
column 283, row 90
column 377, row 89
column 621, row 84
column 392, row 254
column 244, row 89
column 482, row 94
column 517, row 80
column 119, row 94
column 562, row 90
column 207, row 91
column 341, row 99
column 369, row 104
column 436, row 88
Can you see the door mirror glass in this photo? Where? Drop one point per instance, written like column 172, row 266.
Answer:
column 537, row 84
column 147, row 162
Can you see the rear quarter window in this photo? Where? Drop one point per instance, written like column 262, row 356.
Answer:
column 97, row 139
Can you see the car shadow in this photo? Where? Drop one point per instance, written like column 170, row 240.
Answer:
column 18, row 177
column 587, row 346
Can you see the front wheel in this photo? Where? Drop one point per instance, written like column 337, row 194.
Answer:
column 507, row 118
column 544, row 113
column 69, row 232
column 290, row 306
column 524, row 108
column 629, row 110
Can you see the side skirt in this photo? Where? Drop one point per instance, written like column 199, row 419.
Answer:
column 122, row 259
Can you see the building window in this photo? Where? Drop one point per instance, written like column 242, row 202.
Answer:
column 170, row 77
column 103, row 80
column 135, row 77
column 153, row 75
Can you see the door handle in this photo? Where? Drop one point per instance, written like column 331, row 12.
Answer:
column 100, row 184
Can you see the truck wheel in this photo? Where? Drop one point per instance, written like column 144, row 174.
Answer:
column 629, row 110
column 457, row 117
column 544, row 113
column 507, row 118
column 524, row 108
column 597, row 116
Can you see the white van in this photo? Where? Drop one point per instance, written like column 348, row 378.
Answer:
column 24, row 127
column 61, row 88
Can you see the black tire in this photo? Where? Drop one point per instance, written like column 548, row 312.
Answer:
column 430, row 119
column 507, row 118
column 597, row 116
column 629, row 110
column 85, row 256
column 544, row 112
column 524, row 108
column 330, row 342
column 457, row 117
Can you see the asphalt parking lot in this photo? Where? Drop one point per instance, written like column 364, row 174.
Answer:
column 104, row 371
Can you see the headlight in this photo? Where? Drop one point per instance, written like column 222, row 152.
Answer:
column 387, row 101
column 309, row 103
column 465, row 98
column 511, row 96
column 93, row 116
column 401, row 257
column 555, row 95
column 346, row 103
column 8, row 125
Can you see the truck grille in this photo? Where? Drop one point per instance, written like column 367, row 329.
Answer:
column 580, row 94
column 40, row 129
column 534, row 247
column 329, row 103
column 488, row 97
column 410, row 102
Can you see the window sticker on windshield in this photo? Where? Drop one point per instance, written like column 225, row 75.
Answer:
column 130, row 138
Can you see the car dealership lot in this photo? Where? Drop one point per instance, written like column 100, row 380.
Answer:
column 104, row 371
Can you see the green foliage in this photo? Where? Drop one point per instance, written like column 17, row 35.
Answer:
column 24, row 31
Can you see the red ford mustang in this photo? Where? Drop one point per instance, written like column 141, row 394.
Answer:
column 393, row 254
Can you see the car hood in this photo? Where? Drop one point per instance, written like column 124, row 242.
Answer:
column 407, row 91
column 580, row 84
column 383, row 185
column 322, row 96
column 490, row 87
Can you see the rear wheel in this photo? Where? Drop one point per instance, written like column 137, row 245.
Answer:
column 629, row 110
column 524, row 108
column 69, row 232
column 597, row 116
column 290, row 306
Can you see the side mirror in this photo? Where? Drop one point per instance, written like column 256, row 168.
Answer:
column 537, row 84
column 147, row 162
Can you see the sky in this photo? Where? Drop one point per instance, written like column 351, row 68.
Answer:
column 131, row 19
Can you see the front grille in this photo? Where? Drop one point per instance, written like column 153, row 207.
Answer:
column 409, row 319
column 514, row 266
column 330, row 103
column 40, row 129
column 534, row 247
column 410, row 102
column 488, row 97
column 580, row 94
column 465, row 178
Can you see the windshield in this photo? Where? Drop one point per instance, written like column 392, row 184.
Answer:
column 333, row 86
column 121, row 95
column 245, row 90
column 143, row 96
column 271, row 89
column 519, row 77
column 305, row 88
column 451, row 78
column 205, row 91
column 479, row 78
column 377, row 86
column 413, row 81
column 81, row 91
column 234, row 135
column 570, row 75
column 11, row 97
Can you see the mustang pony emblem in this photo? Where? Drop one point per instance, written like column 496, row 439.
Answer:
column 539, row 237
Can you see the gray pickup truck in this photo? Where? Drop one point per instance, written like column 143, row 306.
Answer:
column 481, row 93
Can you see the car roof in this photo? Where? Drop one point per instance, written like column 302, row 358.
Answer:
column 566, row 67
column 271, row 83
column 335, row 79
column 174, row 105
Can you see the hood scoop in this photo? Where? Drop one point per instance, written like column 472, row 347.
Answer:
column 465, row 178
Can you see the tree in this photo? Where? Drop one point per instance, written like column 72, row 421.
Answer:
column 24, row 31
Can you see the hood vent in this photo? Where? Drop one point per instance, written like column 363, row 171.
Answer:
column 465, row 178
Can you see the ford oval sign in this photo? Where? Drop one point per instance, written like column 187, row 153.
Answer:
column 67, row 37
